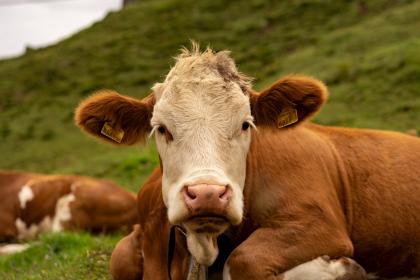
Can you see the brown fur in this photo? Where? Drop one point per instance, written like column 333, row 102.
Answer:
column 149, row 239
column 121, row 112
column 127, row 262
column 99, row 205
column 302, row 93
column 310, row 190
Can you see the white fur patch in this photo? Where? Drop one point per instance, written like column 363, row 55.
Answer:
column 226, row 272
column 31, row 232
column 318, row 268
column 62, row 212
column 25, row 194
column 203, row 105
column 13, row 248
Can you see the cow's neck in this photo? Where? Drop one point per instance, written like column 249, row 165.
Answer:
column 274, row 157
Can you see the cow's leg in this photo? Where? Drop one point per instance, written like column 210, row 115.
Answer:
column 270, row 253
column 9, row 249
column 323, row 268
column 126, row 259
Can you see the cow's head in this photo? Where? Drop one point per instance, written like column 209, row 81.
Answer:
column 201, row 116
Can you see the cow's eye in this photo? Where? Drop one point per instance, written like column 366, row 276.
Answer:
column 245, row 126
column 161, row 129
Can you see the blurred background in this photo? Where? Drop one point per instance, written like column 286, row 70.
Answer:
column 54, row 53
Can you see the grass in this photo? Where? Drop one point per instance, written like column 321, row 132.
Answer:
column 61, row 256
column 366, row 52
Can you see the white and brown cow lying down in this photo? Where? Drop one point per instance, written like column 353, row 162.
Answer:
column 143, row 253
column 288, row 195
column 33, row 204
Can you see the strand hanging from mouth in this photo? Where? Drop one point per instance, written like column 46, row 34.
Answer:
column 195, row 270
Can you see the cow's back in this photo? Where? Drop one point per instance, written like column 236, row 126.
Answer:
column 35, row 203
column 101, row 205
column 383, row 172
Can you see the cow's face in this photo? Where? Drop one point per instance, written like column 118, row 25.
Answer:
column 201, row 122
column 201, row 116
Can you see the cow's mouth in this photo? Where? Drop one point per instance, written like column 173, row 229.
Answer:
column 211, row 218
column 208, row 223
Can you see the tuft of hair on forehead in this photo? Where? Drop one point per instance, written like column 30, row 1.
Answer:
column 221, row 62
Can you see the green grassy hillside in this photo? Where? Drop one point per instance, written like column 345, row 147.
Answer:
column 368, row 54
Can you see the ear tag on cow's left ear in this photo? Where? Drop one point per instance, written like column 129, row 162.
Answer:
column 287, row 117
column 112, row 133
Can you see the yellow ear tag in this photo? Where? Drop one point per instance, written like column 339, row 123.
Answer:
column 287, row 117
column 114, row 134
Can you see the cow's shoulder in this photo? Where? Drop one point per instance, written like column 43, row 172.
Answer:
column 149, row 199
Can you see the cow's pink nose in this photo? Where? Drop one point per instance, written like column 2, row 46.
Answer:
column 204, row 198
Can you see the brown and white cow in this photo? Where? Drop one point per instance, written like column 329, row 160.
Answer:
column 33, row 204
column 143, row 253
column 289, row 194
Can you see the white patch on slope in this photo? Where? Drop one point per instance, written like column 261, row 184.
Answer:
column 62, row 212
column 25, row 195
column 13, row 248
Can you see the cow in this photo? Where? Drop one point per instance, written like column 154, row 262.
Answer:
column 250, row 162
column 36, row 203
column 143, row 253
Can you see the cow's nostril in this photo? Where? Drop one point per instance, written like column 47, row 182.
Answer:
column 190, row 193
column 226, row 193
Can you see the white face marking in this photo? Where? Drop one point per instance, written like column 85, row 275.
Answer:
column 13, row 248
column 62, row 212
column 318, row 268
column 204, row 111
column 25, row 194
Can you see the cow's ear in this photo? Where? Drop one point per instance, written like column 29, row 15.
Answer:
column 288, row 101
column 115, row 118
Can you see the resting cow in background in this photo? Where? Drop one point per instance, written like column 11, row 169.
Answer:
column 33, row 204
column 289, row 192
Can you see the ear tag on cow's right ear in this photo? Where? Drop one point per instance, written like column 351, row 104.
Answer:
column 112, row 133
column 287, row 117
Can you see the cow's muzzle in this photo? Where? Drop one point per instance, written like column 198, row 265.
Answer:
column 206, row 201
